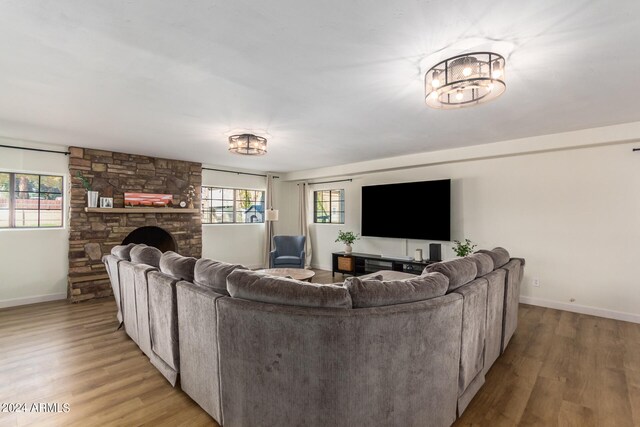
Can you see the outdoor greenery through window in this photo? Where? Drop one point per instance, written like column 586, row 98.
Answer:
column 232, row 206
column 328, row 206
column 30, row 200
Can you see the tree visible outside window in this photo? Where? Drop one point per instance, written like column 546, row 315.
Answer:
column 232, row 206
column 30, row 200
column 328, row 206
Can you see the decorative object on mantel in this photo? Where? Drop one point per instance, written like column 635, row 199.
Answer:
column 92, row 196
column 147, row 200
column 271, row 214
column 418, row 255
column 147, row 210
column 465, row 80
column 190, row 192
column 106, row 202
column 248, row 144
column 463, row 249
column 347, row 237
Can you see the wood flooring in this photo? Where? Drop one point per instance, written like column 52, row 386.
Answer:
column 560, row 368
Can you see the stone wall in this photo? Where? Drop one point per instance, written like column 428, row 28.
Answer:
column 92, row 235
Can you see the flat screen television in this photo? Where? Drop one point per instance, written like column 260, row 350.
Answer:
column 410, row 210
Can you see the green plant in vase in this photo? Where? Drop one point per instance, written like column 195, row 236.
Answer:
column 347, row 237
column 92, row 196
column 85, row 182
column 463, row 249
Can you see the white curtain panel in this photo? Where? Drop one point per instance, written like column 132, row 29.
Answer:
column 303, row 220
column 268, row 225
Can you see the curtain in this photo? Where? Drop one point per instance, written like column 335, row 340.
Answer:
column 303, row 220
column 268, row 225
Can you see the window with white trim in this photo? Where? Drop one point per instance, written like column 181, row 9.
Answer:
column 31, row 200
column 232, row 205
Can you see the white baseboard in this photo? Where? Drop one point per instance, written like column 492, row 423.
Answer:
column 321, row 267
column 255, row 266
column 14, row 302
column 582, row 309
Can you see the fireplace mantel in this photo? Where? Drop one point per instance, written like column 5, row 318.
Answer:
column 142, row 210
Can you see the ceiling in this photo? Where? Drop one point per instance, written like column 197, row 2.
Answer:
column 330, row 82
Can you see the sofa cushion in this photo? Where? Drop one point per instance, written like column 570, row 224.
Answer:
column 213, row 274
column 458, row 271
column 178, row 266
column 370, row 276
column 255, row 286
column 286, row 259
column 388, row 275
column 143, row 254
column 484, row 263
column 377, row 293
column 499, row 255
column 122, row 251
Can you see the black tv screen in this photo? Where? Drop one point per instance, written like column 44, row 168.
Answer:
column 411, row 210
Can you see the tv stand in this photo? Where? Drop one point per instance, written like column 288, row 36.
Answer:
column 358, row 263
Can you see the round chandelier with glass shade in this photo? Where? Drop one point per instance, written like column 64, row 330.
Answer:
column 465, row 80
column 248, row 144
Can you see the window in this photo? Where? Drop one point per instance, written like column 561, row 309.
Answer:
column 232, row 206
column 328, row 206
column 30, row 200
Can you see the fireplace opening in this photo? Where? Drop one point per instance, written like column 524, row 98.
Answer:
column 152, row 236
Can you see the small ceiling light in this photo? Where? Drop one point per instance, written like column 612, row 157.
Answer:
column 435, row 79
column 465, row 80
column 496, row 72
column 248, row 144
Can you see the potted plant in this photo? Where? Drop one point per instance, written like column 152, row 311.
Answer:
column 347, row 237
column 463, row 249
column 92, row 196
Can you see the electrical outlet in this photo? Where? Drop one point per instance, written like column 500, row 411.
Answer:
column 536, row 282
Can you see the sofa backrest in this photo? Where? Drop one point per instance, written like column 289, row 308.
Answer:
column 500, row 256
column 143, row 254
column 177, row 266
column 484, row 263
column 256, row 286
column 313, row 366
column 495, row 312
column 474, row 316
column 122, row 252
column 376, row 292
column 213, row 274
column 459, row 271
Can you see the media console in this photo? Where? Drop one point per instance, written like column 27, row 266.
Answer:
column 357, row 263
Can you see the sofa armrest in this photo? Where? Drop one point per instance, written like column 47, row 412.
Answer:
column 522, row 261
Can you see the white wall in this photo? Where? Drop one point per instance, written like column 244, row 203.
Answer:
column 235, row 243
column 33, row 262
column 574, row 214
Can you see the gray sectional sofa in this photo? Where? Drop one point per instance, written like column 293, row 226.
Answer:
column 384, row 349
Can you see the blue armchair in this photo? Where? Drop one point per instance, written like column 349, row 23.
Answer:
column 288, row 253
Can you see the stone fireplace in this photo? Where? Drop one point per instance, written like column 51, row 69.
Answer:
column 152, row 236
column 93, row 232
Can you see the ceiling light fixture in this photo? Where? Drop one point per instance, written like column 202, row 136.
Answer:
column 248, row 144
column 465, row 80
